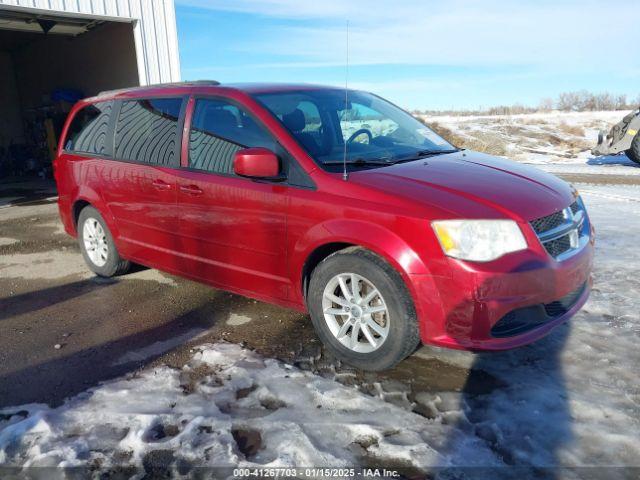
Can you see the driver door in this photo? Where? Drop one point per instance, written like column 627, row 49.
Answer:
column 232, row 229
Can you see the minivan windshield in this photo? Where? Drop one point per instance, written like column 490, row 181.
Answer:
column 374, row 131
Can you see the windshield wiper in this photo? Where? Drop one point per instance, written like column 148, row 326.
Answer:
column 415, row 156
column 358, row 161
column 424, row 154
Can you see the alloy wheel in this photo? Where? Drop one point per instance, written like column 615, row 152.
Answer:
column 355, row 312
column 95, row 242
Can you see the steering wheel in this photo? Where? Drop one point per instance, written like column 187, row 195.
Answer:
column 357, row 133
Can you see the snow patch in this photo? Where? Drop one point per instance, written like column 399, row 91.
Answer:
column 226, row 393
column 7, row 241
column 236, row 320
column 158, row 348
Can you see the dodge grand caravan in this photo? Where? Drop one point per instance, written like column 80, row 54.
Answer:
column 334, row 203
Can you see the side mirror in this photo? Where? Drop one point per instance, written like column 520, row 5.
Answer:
column 257, row 163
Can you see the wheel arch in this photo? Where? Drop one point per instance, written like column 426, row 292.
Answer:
column 315, row 257
column 89, row 197
column 77, row 207
column 330, row 237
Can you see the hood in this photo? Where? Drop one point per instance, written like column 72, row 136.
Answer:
column 473, row 185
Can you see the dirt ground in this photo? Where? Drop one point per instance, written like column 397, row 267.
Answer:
column 63, row 330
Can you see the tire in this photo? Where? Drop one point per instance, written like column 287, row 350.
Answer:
column 634, row 152
column 396, row 334
column 92, row 229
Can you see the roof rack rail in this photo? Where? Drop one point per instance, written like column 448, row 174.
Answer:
column 156, row 85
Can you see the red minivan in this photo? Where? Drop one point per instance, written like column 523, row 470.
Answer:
column 332, row 202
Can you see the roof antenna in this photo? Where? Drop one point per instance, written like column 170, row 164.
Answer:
column 345, row 174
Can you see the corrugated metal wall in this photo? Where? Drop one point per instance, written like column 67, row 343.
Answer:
column 155, row 31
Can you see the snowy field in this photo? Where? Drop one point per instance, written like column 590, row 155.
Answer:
column 537, row 138
column 571, row 400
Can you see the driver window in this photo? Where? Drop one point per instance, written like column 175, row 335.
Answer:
column 361, row 117
column 218, row 130
column 313, row 122
column 305, row 123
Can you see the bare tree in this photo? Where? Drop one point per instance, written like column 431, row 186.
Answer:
column 546, row 104
column 568, row 101
column 577, row 101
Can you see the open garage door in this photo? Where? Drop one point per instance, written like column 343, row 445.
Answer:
column 47, row 62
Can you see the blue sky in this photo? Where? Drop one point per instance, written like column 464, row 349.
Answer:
column 418, row 53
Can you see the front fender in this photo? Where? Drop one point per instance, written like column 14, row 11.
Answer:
column 371, row 236
column 368, row 235
column 418, row 278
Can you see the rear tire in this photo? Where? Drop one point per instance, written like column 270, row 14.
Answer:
column 634, row 152
column 97, row 246
column 381, row 313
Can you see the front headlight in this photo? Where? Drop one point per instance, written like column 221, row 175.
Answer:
column 479, row 240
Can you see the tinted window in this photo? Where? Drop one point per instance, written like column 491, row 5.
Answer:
column 218, row 130
column 147, row 131
column 88, row 129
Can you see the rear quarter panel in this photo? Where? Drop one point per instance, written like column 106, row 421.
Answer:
column 77, row 179
column 81, row 179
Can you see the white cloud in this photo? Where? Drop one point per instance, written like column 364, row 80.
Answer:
column 566, row 34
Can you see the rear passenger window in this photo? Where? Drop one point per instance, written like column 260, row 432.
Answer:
column 147, row 131
column 88, row 130
column 218, row 130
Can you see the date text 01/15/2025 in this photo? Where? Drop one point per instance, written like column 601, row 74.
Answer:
column 312, row 472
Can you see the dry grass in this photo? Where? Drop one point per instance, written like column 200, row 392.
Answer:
column 570, row 138
column 571, row 144
column 534, row 121
column 571, row 129
column 446, row 133
column 516, row 130
column 517, row 137
column 489, row 143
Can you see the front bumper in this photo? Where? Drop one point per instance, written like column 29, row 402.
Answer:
column 476, row 297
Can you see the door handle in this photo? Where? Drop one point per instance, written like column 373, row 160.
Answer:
column 161, row 185
column 191, row 189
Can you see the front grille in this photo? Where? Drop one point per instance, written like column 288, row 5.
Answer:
column 575, row 208
column 563, row 305
column 558, row 246
column 547, row 223
column 517, row 321
column 544, row 224
column 524, row 319
column 559, row 232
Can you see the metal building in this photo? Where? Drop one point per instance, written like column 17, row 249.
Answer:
column 53, row 51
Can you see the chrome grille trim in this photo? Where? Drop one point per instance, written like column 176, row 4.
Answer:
column 564, row 238
column 571, row 223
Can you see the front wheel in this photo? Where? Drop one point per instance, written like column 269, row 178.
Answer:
column 634, row 152
column 97, row 246
column 362, row 310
